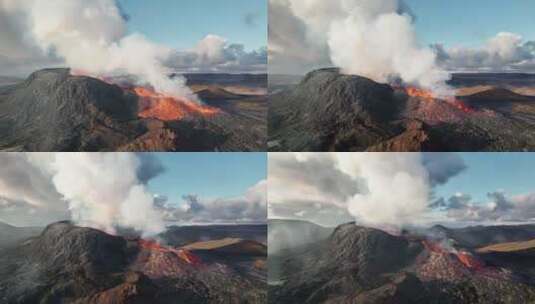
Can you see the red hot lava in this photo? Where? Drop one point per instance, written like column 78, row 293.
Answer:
column 466, row 258
column 183, row 254
column 167, row 108
column 157, row 105
column 470, row 261
column 420, row 93
column 430, row 96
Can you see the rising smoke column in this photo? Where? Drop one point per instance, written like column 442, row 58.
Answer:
column 104, row 191
column 398, row 187
column 372, row 38
column 91, row 36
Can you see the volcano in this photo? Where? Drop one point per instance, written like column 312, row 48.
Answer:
column 364, row 265
column 71, row 264
column 331, row 111
column 54, row 110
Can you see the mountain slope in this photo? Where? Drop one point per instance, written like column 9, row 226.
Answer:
column 70, row 264
column 330, row 111
column 53, row 110
column 364, row 265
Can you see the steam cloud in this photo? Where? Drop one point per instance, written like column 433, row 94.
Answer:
column 376, row 189
column 103, row 191
column 108, row 191
column 99, row 190
column 372, row 38
column 76, row 30
column 398, row 187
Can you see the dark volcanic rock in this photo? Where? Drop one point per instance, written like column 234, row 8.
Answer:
column 69, row 264
column 329, row 111
column 55, row 111
column 332, row 111
column 64, row 262
column 364, row 265
column 351, row 261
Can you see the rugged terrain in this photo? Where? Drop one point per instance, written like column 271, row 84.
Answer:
column 364, row 265
column 183, row 235
column 53, row 110
column 70, row 264
column 329, row 111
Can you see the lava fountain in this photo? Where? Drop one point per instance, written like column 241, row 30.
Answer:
column 182, row 254
column 163, row 107
column 429, row 96
column 157, row 105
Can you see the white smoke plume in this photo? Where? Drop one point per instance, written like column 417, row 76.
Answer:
column 376, row 189
column 398, row 187
column 91, row 37
column 371, row 38
column 104, row 191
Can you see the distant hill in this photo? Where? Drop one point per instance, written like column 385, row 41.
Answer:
column 11, row 235
column 183, row 235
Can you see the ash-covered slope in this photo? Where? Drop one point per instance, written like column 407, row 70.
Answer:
column 53, row 110
column 363, row 265
column 70, row 264
column 329, row 111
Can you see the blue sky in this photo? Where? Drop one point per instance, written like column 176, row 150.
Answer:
column 472, row 22
column 209, row 175
column 488, row 172
column 182, row 23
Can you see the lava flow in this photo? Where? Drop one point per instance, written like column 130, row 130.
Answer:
column 420, row 93
column 167, row 108
column 184, row 255
column 467, row 259
column 429, row 96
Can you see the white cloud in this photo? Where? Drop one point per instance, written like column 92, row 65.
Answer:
column 247, row 208
column 504, row 52
column 215, row 54
column 498, row 208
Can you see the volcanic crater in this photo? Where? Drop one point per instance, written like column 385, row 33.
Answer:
column 70, row 264
column 330, row 111
column 54, row 110
column 357, row 264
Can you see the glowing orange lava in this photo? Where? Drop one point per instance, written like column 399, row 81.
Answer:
column 420, row 93
column 460, row 105
column 183, row 254
column 429, row 96
column 466, row 258
column 469, row 260
column 166, row 108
